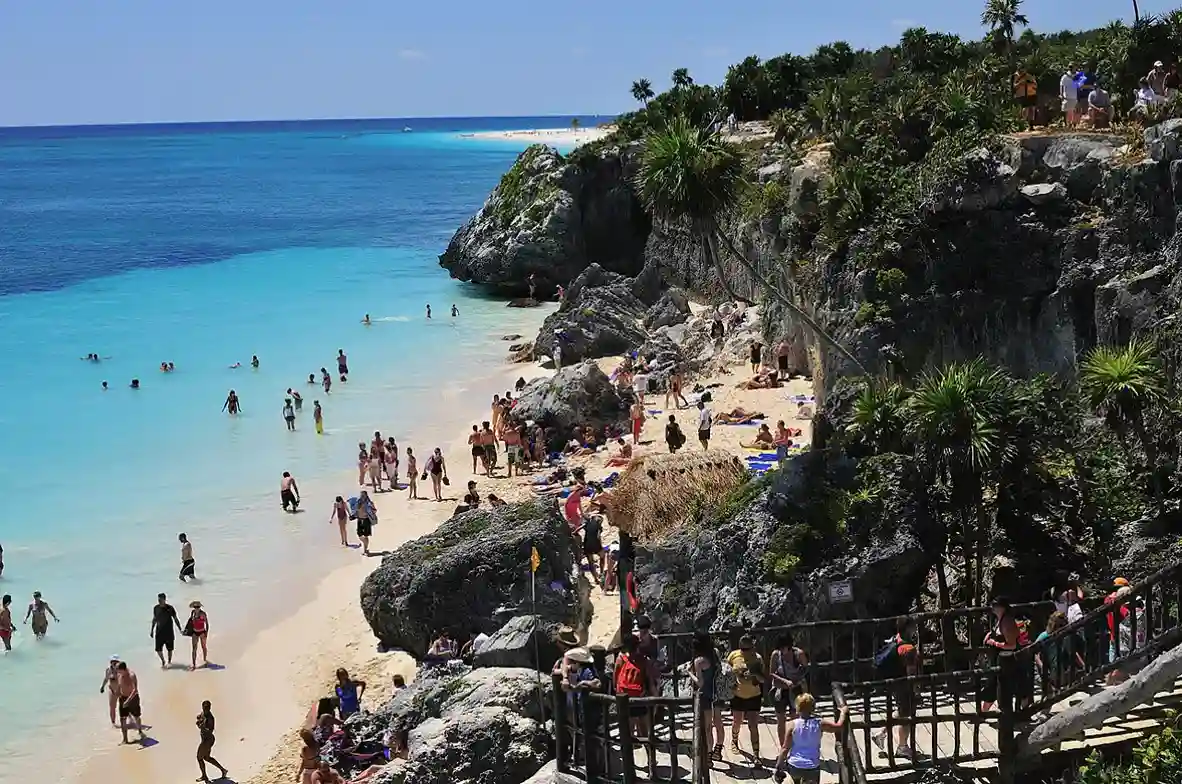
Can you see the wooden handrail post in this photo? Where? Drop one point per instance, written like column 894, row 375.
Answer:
column 588, row 716
column 561, row 738
column 627, row 749
column 1007, row 745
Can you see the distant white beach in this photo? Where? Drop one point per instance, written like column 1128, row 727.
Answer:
column 564, row 137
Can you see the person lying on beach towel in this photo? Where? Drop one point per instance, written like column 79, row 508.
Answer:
column 766, row 379
column 804, row 411
column 763, row 439
column 737, row 416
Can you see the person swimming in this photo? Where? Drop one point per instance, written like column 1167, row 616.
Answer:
column 104, row 386
column 366, row 320
column 235, row 365
column 135, row 383
column 428, row 311
column 454, row 311
column 312, row 378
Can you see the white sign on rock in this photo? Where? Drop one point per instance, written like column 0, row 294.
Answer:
column 841, row 591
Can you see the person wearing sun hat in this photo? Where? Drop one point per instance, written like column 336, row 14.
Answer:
column 110, row 686
column 197, row 629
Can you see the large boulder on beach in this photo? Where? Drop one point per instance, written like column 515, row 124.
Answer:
column 525, row 641
column 600, row 316
column 482, row 726
column 671, row 308
column 576, row 395
column 472, row 575
column 549, row 217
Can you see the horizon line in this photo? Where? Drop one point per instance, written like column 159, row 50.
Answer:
column 174, row 123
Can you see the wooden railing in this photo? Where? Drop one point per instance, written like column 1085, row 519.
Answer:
column 944, row 711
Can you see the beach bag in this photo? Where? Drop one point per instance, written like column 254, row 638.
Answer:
column 886, row 657
column 629, row 677
column 725, row 683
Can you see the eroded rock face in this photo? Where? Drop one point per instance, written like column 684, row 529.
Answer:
column 484, row 725
column 734, row 570
column 575, row 395
column 550, row 217
column 470, row 576
column 600, row 316
column 673, row 308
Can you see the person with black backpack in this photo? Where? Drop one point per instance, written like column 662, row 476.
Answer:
column 897, row 659
column 674, row 438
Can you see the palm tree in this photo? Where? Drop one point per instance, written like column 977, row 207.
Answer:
column 682, row 78
column 642, row 90
column 691, row 174
column 880, row 417
column 1121, row 383
column 958, row 417
column 1136, row 12
column 1002, row 17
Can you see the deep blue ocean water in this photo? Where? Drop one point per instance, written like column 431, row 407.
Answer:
column 204, row 245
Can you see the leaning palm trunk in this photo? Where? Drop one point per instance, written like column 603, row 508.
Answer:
column 784, row 299
column 710, row 252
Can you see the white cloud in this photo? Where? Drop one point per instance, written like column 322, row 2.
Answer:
column 412, row 54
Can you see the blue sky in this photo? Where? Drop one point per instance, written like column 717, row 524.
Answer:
column 83, row 61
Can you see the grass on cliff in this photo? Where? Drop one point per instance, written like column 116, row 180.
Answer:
column 521, row 192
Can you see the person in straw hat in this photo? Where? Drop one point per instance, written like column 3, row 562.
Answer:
column 578, row 675
column 197, row 629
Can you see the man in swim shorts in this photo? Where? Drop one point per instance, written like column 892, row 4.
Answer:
column 6, row 622
column 188, row 565
column 289, row 494
column 129, row 701
column 163, row 620
column 342, row 362
column 488, row 440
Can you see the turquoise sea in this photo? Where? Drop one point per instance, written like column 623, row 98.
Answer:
column 203, row 245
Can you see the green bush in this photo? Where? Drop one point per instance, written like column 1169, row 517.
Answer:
column 1156, row 760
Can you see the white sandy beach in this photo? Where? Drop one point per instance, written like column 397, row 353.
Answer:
column 555, row 136
column 263, row 696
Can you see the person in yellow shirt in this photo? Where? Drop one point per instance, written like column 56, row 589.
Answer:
column 747, row 666
column 1026, row 95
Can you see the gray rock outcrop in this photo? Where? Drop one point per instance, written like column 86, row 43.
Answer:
column 576, row 395
column 522, row 642
column 550, row 217
column 471, row 575
column 483, row 726
column 600, row 316
column 672, row 308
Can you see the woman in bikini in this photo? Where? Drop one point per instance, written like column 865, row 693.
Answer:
column 391, row 458
column 340, row 513
column 362, row 463
column 412, row 470
column 111, row 687
column 375, row 468
column 309, row 757
column 198, row 628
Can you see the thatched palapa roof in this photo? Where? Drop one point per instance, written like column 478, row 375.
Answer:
column 657, row 493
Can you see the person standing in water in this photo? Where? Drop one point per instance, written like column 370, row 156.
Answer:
column 340, row 513
column 129, row 701
column 232, row 404
column 6, row 622
column 296, row 398
column 205, row 724
column 428, row 310
column 318, row 417
column 412, row 471
column 366, row 321
column 289, row 414
column 110, row 686
column 342, row 362
column 325, row 380
column 188, row 565
column 37, row 611
column 289, row 493
column 163, row 620
column 454, row 310
column 254, row 362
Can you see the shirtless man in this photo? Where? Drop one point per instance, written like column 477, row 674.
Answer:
column 188, row 565
column 37, row 611
column 325, row 774
column 454, row 311
column 637, row 415
column 513, row 453
column 129, row 701
column 488, row 440
column 342, row 362
column 6, row 622
column 289, row 493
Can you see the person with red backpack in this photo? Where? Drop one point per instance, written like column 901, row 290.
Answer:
column 631, row 679
column 897, row 659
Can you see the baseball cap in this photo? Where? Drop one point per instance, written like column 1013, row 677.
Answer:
column 1120, row 582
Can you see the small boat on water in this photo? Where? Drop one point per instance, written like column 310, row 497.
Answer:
column 407, row 129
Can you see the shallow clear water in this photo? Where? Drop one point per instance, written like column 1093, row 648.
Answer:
column 204, row 246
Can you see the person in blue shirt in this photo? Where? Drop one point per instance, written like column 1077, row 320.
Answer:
column 349, row 694
column 801, row 749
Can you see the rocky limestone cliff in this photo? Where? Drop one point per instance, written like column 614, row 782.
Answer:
column 551, row 217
